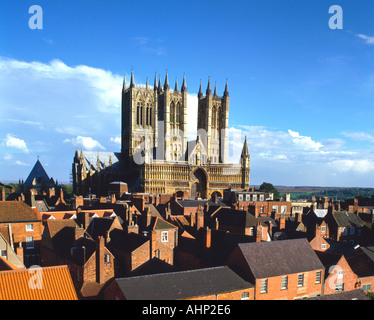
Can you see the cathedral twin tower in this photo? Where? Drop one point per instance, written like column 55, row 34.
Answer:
column 155, row 118
column 155, row 155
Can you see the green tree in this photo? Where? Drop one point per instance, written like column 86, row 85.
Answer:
column 269, row 188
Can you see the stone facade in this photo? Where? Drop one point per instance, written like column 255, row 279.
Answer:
column 155, row 154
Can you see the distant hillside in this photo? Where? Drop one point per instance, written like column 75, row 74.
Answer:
column 336, row 193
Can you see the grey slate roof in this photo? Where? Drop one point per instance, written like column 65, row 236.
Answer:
column 182, row 285
column 362, row 261
column 275, row 258
column 38, row 173
column 238, row 218
column 347, row 219
column 357, row 294
column 90, row 157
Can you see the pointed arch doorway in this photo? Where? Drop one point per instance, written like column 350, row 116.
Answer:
column 199, row 184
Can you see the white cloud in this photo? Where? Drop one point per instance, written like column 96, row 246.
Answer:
column 304, row 142
column 360, row 166
column 116, row 140
column 15, row 143
column 149, row 45
column 367, row 39
column 359, row 136
column 20, row 163
column 86, row 143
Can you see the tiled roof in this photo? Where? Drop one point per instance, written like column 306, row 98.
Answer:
column 347, row 219
column 362, row 261
column 357, row 294
column 54, row 283
column 275, row 258
column 237, row 218
column 90, row 158
column 182, row 285
column 16, row 211
column 37, row 173
column 161, row 224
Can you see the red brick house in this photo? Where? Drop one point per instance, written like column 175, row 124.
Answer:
column 219, row 283
column 362, row 263
column 91, row 263
column 239, row 221
column 319, row 244
column 25, row 226
column 287, row 269
column 344, row 226
column 338, row 273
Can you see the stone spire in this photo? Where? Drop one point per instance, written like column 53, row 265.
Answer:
column 159, row 85
column 208, row 90
column 200, row 94
column 176, row 85
column 155, row 84
column 124, row 83
column 166, row 85
column 226, row 93
column 184, row 86
column 215, row 89
column 132, row 83
column 245, row 152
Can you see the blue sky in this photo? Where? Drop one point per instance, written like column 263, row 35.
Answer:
column 302, row 93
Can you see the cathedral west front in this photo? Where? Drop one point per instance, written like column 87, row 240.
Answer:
column 155, row 155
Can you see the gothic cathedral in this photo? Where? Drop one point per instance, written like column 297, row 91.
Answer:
column 155, row 155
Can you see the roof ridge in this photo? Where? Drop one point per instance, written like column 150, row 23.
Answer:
column 175, row 272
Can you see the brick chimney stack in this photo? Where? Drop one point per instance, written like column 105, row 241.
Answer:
column 149, row 216
column 100, row 272
column 208, row 238
column 153, row 244
column 199, row 218
column 282, row 222
column 258, row 232
column 51, row 192
column 19, row 251
column 3, row 194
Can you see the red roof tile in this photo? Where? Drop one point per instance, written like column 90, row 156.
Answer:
column 54, row 283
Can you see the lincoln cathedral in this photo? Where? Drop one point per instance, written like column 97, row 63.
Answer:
column 155, row 155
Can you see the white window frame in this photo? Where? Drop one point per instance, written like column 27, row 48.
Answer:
column 300, row 280
column 247, row 197
column 29, row 242
column 275, row 209
column 283, row 209
column 254, row 197
column 245, row 296
column 29, row 227
column 264, row 286
column 164, row 236
column 261, row 197
column 240, row 197
column 284, row 284
column 318, row 277
column 323, row 228
column 366, row 286
column 340, row 274
column 323, row 246
column 339, row 287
